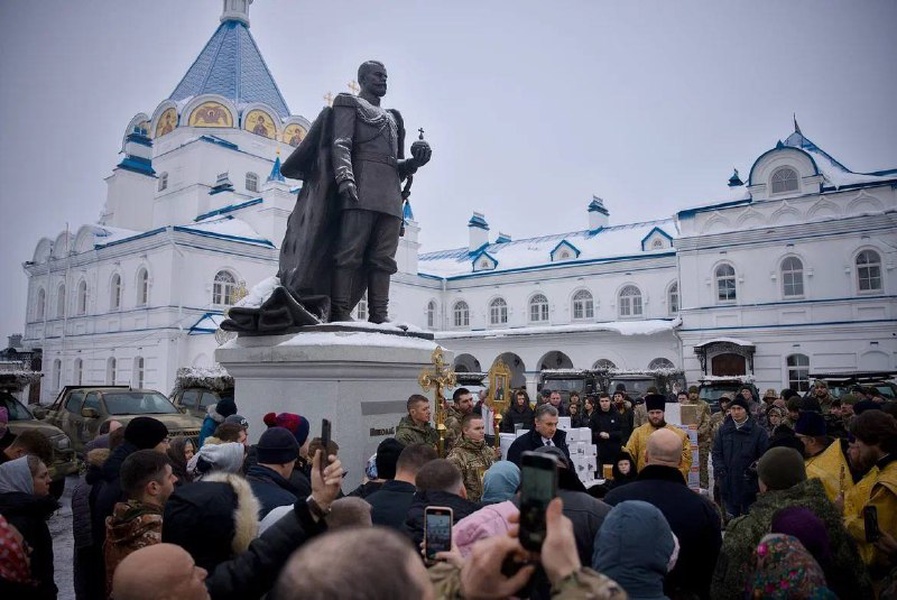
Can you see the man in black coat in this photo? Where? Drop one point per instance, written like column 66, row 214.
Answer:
column 545, row 433
column 693, row 519
column 390, row 504
column 439, row 483
column 740, row 442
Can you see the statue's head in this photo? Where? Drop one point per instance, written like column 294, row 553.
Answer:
column 372, row 78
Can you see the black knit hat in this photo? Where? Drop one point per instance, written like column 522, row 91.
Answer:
column 387, row 457
column 810, row 424
column 739, row 401
column 277, row 446
column 655, row 402
column 226, row 407
column 145, row 432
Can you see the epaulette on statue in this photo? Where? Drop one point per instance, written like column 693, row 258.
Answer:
column 345, row 99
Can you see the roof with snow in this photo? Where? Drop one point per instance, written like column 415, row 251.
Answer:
column 646, row 327
column 232, row 66
column 228, row 228
column 606, row 243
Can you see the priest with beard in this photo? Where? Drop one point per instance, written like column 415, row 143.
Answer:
column 638, row 441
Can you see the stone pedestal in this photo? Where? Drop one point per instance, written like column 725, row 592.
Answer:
column 360, row 380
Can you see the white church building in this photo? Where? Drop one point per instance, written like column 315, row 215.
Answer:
column 792, row 271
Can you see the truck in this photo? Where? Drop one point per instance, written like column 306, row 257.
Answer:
column 588, row 382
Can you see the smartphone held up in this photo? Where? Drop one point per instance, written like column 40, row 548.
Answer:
column 438, row 523
column 538, row 486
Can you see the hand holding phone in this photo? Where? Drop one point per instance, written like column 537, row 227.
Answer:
column 438, row 523
column 538, row 486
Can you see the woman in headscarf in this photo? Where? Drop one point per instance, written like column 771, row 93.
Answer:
column 783, row 569
column 180, row 451
column 26, row 503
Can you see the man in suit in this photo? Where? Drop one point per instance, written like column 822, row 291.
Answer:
column 544, row 433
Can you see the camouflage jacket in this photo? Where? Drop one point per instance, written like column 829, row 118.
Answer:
column 452, row 422
column 408, row 432
column 472, row 458
column 132, row 526
column 584, row 584
column 847, row 577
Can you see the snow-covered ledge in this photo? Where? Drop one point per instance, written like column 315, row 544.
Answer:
column 360, row 380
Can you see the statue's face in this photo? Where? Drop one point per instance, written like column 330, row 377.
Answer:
column 374, row 80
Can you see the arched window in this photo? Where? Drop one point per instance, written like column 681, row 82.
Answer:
column 673, row 299
column 115, row 292
column 725, row 283
column 869, row 271
column 60, row 301
column 792, row 277
column 630, row 304
column 784, row 180
column 583, row 305
column 41, row 304
column 252, row 182
column 604, row 364
column 498, row 312
column 798, row 372
column 538, row 309
column 110, row 370
column 82, row 297
column 163, row 182
column 57, row 373
column 139, row 371
column 142, row 287
column 78, row 371
column 461, row 314
column 223, row 288
column 431, row 314
column 661, row 363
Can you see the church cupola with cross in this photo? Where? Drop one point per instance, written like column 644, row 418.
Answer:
column 236, row 10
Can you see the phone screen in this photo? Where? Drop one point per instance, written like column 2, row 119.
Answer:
column 325, row 443
column 437, row 531
column 538, row 486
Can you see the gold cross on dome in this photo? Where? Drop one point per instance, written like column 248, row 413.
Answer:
column 328, row 98
column 438, row 378
column 354, row 87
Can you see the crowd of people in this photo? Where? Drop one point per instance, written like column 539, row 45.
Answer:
column 786, row 489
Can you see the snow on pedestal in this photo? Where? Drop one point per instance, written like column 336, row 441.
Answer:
column 360, row 380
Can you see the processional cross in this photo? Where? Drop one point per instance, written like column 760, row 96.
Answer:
column 438, row 378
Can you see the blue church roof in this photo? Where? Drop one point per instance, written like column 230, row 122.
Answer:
column 232, row 66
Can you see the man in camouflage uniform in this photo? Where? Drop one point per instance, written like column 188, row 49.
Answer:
column 415, row 428
column 705, row 433
column 147, row 479
column 462, row 405
column 472, row 456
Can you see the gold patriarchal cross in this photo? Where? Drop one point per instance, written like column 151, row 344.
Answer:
column 438, row 378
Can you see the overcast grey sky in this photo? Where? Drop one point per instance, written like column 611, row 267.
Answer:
column 531, row 107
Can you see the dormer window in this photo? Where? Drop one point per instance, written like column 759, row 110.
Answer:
column 564, row 251
column 252, row 182
column 657, row 244
column 784, row 180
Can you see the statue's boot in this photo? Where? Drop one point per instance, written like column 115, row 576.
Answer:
column 378, row 297
column 340, row 294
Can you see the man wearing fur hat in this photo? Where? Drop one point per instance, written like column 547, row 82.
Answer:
column 638, row 441
column 740, row 442
column 825, row 458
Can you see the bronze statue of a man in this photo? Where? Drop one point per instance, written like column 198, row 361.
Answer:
column 367, row 153
column 344, row 230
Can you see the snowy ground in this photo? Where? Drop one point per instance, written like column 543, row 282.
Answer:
column 63, row 544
